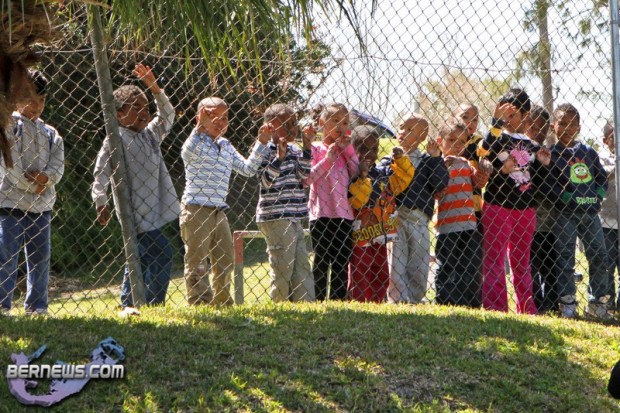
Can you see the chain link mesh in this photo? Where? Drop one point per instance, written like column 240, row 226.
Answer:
column 439, row 62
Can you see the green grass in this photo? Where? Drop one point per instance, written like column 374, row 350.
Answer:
column 329, row 357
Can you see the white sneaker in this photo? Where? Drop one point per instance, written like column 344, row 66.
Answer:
column 598, row 311
column 568, row 310
column 568, row 306
column 36, row 311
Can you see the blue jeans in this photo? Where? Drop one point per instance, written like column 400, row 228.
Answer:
column 155, row 254
column 588, row 228
column 32, row 231
column 611, row 243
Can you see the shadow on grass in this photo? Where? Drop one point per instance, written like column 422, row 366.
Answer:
column 324, row 358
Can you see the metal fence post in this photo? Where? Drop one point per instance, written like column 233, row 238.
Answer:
column 119, row 181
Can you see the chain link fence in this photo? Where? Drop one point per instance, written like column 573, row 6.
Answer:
column 449, row 65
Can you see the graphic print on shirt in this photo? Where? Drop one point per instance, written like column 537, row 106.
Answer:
column 579, row 172
column 520, row 175
column 375, row 223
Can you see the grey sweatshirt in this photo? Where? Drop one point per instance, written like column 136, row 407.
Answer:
column 35, row 146
column 154, row 201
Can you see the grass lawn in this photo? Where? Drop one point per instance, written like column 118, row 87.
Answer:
column 328, row 357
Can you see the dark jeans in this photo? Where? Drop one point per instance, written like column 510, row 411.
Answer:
column 32, row 232
column 611, row 244
column 567, row 227
column 459, row 257
column 543, row 257
column 156, row 262
column 331, row 241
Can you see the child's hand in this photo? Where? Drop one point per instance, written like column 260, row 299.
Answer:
column 504, row 112
column 282, row 148
column 147, row 77
column 363, row 168
column 432, row 147
column 37, row 177
column 509, row 165
column 485, row 166
column 265, row 133
column 307, row 136
column 40, row 189
column 544, row 156
column 344, row 139
column 308, row 133
column 397, row 152
column 103, row 215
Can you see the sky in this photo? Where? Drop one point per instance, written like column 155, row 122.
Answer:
column 410, row 43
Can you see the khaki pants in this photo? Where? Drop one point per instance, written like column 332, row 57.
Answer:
column 206, row 233
column 291, row 277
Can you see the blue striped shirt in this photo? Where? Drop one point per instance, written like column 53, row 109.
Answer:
column 209, row 165
column 282, row 194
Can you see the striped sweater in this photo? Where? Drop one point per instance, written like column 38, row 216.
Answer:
column 456, row 211
column 209, row 165
column 282, row 195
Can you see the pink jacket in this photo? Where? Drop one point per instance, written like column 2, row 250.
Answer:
column 329, row 182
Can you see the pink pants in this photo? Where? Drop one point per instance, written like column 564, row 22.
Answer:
column 368, row 273
column 509, row 230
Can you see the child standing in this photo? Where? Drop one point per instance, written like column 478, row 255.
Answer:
column 578, row 182
column 27, row 196
column 410, row 252
column 209, row 160
column 282, row 205
column 153, row 199
column 609, row 212
column 542, row 255
column 334, row 165
column 469, row 115
column 372, row 198
column 508, row 216
column 459, row 252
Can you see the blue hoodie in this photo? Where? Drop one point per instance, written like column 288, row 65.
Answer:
column 576, row 178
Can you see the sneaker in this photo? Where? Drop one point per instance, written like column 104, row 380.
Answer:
column 568, row 306
column 36, row 311
column 597, row 310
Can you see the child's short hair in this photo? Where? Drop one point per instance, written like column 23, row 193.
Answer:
column 538, row 112
column 566, row 108
column 331, row 109
column 40, row 82
column 363, row 132
column 414, row 116
column 276, row 110
column 465, row 106
column 518, row 98
column 608, row 129
column 315, row 112
column 126, row 94
column 210, row 102
column 450, row 126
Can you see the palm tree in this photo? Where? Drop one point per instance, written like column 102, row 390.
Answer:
column 226, row 32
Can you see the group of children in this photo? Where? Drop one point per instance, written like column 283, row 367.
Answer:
column 505, row 195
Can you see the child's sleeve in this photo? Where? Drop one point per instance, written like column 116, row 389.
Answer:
column 437, row 174
column 352, row 160
column 164, row 119
column 249, row 167
column 600, row 176
column 55, row 168
column 304, row 164
column 320, row 165
column 359, row 192
column 402, row 174
column 102, row 174
column 269, row 171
